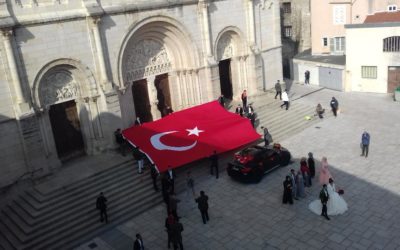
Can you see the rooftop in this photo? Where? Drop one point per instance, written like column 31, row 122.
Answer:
column 383, row 17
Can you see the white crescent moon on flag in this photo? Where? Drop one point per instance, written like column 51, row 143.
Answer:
column 157, row 144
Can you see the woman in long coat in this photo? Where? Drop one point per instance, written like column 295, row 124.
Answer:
column 324, row 174
column 287, row 191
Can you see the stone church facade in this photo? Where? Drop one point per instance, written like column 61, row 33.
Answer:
column 73, row 71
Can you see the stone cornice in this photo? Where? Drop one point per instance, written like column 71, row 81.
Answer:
column 32, row 16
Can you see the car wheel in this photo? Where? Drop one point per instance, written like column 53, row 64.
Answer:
column 257, row 175
column 285, row 158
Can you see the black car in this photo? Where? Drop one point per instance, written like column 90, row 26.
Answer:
column 253, row 162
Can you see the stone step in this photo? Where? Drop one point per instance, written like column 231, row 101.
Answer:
column 87, row 206
column 64, row 205
column 74, row 188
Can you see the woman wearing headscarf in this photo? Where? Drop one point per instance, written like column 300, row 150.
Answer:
column 324, row 174
column 287, row 191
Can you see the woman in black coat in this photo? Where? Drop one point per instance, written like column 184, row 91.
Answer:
column 287, row 191
column 311, row 164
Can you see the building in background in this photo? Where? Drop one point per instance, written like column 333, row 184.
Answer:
column 296, row 31
column 326, row 61
column 373, row 53
column 72, row 72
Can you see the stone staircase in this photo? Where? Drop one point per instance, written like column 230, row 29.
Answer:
column 66, row 217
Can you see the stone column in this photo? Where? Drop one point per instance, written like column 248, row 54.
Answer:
column 251, row 36
column 95, row 116
column 105, row 82
column 203, row 11
column 7, row 35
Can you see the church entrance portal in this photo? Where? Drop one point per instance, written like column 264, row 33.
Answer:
column 225, row 78
column 141, row 100
column 163, row 94
column 66, row 130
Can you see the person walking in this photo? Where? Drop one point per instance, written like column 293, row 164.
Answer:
column 139, row 156
column 324, row 197
column 294, row 187
column 278, row 90
column 120, row 141
column 101, row 204
column 239, row 110
column 173, row 205
column 171, row 179
column 307, row 77
column 202, row 202
column 244, row 100
column 221, row 100
column 190, row 184
column 138, row 245
column 287, row 191
column 285, row 99
column 252, row 117
column 154, row 175
column 176, row 234
column 214, row 164
column 267, row 136
column 169, row 221
column 311, row 164
column 334, row 106
column 365, row 139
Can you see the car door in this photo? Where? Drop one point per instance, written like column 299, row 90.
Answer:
column 270, row 161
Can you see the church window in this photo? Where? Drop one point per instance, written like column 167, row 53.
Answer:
column 287, row 8
column 287, row 31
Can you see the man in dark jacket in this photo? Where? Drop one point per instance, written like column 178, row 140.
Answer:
column 324, row 197
column 202, row 202
column 214, row 164
column 138, row 245
column 176, row 235
column 239, row 110
column 101, row 204
column 154, row 176
column 278, row 90
column 334, row 105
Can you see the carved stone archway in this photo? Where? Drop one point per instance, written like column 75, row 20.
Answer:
column 156, row 46
column 230, row 46
column 67, row 81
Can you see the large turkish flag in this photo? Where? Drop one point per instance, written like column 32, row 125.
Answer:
column 191, row 134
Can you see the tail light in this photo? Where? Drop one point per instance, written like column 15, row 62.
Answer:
column 243, row 158
column 245, row 170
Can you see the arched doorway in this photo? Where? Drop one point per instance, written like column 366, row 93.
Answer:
column 66, row 129
column 158, row 54
column 231, row 65
column 65, row 100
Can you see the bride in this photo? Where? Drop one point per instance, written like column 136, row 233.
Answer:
column 336, row 204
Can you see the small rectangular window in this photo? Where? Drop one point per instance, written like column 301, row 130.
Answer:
column 369, row 72
column 325, row 41
column 339, row 14
column 287, row 8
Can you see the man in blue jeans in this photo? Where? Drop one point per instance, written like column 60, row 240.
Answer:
column 365, row 138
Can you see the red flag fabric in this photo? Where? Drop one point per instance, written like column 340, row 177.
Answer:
column 191, row 134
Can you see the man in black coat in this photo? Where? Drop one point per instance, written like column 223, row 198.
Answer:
column 138, row 245
column 214, row 164
column 101, row 204
column 202, row 202
column 239, row 110
column 176, row 235
column 154, row 176
column 334, row 105
column 324, row 197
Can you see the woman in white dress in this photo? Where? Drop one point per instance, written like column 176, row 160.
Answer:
column 336, row 204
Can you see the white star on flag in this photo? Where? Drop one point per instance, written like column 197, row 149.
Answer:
column 194, row 131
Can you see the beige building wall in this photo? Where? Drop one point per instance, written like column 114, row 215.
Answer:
column 323, row 19
column 356, row 56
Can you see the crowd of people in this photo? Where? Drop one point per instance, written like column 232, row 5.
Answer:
column 330, row 201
